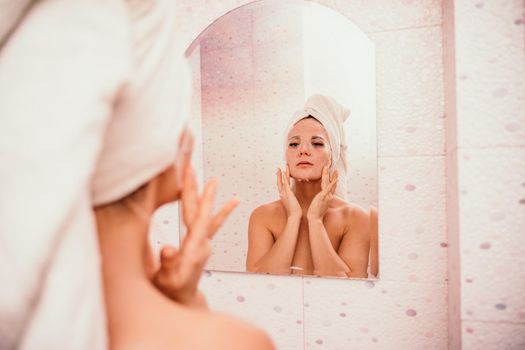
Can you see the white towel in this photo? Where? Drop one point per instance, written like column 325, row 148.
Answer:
column 142, row 137
column 332, row 116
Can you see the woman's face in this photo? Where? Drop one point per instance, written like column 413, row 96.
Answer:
column 308, row 150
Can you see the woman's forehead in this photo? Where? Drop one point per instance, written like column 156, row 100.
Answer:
column 307, row 127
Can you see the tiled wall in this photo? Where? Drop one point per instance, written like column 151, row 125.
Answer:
column 408, row 307
column 489, row 153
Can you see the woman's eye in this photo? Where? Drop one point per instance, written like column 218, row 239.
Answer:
column 293, row 144
column 318, row 144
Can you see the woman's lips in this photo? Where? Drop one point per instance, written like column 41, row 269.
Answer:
column 304, row 164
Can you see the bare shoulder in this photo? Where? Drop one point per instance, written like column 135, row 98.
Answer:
column 226, row 332
column 222, row 332
column 354, row 214
column 268, row 211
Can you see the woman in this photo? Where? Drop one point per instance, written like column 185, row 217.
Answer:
column 311, row 229
column 152, row 307
column 94, row 97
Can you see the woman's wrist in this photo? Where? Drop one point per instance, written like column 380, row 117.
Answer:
column 314, row 219
column 295, row 216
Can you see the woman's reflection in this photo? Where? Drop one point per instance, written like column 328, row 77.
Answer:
column 312, row 229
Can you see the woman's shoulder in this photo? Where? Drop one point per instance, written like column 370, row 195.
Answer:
column 350, row 210
column 268, row 210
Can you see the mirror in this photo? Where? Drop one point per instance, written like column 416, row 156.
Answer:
column 253, row 68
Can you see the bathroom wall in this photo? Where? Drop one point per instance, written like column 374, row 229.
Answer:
column 487, row 147
column 408, row 306
column 439, row 288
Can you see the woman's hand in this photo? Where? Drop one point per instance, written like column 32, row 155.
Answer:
column 180, row 270
column 290, row 202
column 124, row 225
column 321, row 201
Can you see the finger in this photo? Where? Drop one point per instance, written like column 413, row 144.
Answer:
column 191, row 270
column 335, row 177
column 200, row 226
column 288, row 175
column 286, row 181
column 184, row 152
column 190, row 198
column 324, row 178
column 168, row 258
column 222, row 215
column 329, row 188
column 279, row 180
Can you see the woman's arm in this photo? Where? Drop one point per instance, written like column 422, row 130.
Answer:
column 374, row 249
column 355, row 245
column 139, row 315
column 326, row 260
column 265, row 254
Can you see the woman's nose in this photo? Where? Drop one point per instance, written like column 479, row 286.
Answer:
column 303, row 149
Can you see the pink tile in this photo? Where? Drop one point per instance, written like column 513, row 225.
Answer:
column 232, row 30
column 228, row 67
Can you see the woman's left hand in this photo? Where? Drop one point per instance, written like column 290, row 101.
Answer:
column 321, row 201
column 180, row 270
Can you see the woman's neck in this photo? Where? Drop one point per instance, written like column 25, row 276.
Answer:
column 305, row 191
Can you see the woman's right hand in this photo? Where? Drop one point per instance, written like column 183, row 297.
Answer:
column 290, row 202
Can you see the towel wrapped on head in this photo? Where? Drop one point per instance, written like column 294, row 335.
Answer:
column 142, row 137
column 332, row 116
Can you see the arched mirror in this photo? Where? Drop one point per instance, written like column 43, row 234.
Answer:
column 253, row 68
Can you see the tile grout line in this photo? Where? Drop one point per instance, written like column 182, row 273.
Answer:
column 302, row 306
column 515, row 323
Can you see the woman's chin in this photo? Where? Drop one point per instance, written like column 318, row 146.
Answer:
column 305, row 178
column 305, row 174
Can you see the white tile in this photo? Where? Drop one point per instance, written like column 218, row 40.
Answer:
column 380, row 15
column 352, row 314
column 274, row 303
column 412, row 219
column 490, row 52
column 277, row 62
column 492, row 229
column 410, row 103
column 492, row 336
column 277, row 23
column 228, row 255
